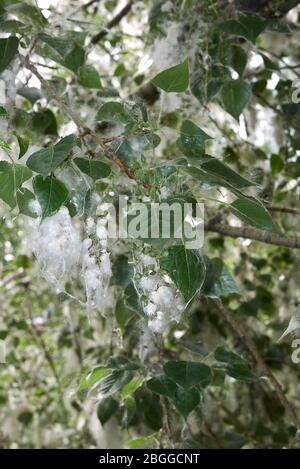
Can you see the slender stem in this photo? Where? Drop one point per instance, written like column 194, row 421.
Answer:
column 84, row 130
column 253, row 233
column 44, row 347
column 283, row 209
column 243, row 334
column 165, row 419
column 166, row 427
column 135, row 133
column 116, row 20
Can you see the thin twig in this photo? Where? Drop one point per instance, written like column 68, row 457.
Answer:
column 90, row 3
column 44, row 347
column 243, row 334
column 83, row 129
column 135, row 133
column 166, row 427
column 116, row 20
column 286, row 65
column 45, row 65
column 253, row 233
column 165, row 419
column 283, row 209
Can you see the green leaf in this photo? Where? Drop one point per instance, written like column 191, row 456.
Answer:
column 188, row 374
column 291, row 110
column 174, row 79
column 253, row 212
column 113, row 382
column 95, row 169
column 43, row 122
column 268, row 63
column 222, row 283
column 132, row 300
column 113, row 111
column 133, row 147
column 3, row 112
column 21, row 119
column 186, row 268
column 89, row 77
column 122, row 271
column 57, row 83
column 278, row 26
column 14, row 26
column 192, row 139
column 8, row 49
column 45, row 161
column 25, row 201
column 235, row 96
column 11, row 179
column 106, row 408
column 236, row 366
column 234, row 440
column 27, row 13
column 93, row 377
column 238, row 59
column 31, row 93
column 130, row 388
column 62, row 45
column 162, row 385
column 123, row 315
column 210, row 170
column 142, row 442
column 186, row 400
column 206, row 85
column 246, row 26
column 122, row 363
column 5, row 146
column 65, row 50
column 277, row 164
column 23, row 146
column 50, row 193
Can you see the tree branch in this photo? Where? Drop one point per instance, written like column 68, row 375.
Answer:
column 83, row 129
column 166, row 427
column 283, row 209
column 135, row 133
column 241, row 332
column 253, row 233
column 116, row 20
column 90, row 3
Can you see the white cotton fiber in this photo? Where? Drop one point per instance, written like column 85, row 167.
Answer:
column 96, row 275
column 163, row 303
column 57, row 246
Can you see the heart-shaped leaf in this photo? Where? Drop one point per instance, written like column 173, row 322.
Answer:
column 236, row 95
column 8, row 49
column 94, row 169
column 45, row 161
column 51, row 194
column 186, row 268
column 174, row 79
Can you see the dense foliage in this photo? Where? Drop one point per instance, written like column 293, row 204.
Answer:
column 144, row 342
